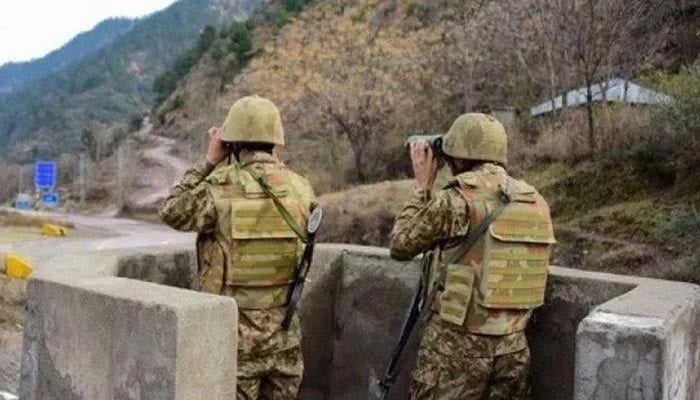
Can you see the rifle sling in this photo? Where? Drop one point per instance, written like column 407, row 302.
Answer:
column 507, row 197
column 286, row 215
column 473, row 237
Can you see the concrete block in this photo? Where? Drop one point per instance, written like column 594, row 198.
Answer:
column 642, row 345
column 175, row 268
column 351, row 314
column 317, row 316
column 91, row 335
column 570, row 297
column 599, row 336
column 118, row 339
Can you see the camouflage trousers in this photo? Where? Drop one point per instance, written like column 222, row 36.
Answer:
column 270, row 364
column 449, row 369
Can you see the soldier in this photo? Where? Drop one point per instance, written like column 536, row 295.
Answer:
column 474, row 346
column 248, row 244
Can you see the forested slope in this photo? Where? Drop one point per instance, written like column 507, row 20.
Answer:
column 115, row 84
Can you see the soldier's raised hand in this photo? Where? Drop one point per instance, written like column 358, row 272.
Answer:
column 216, row 152
column 425, row 166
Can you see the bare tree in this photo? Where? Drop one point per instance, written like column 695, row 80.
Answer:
column 536, row 32
column 601, row 34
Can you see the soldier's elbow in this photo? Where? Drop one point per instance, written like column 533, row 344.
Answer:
column 169, row 218
column 399, row 252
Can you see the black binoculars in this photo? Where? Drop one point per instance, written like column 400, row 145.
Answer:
column 434, row 140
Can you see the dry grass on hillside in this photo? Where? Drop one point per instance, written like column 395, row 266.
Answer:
column 625, row 230
column 363, row 215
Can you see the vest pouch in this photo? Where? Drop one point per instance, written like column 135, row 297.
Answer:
column 265, row 249
column 455, row 299
column 515, row 267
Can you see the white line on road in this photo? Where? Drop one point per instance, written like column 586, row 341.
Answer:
column 7, row 396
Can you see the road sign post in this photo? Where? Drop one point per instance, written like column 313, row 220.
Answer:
column 50, row 199
column 45, row 175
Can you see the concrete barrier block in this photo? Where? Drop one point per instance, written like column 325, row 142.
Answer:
column 373, row 298
column 121, row 339
column 641, row 345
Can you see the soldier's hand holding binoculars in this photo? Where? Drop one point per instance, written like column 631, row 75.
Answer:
column 425, row 165
column 216, row 152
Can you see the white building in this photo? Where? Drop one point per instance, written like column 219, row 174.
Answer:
column 615, row 90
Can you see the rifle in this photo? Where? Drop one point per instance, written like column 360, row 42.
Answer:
column 302, row 268
column 380, row 388
column 419, row 309
column 309, row 241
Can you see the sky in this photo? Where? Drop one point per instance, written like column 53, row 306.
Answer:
column 31, row 28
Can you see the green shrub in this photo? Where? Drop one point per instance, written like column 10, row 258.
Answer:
column 650, row 158
column 240, row 41
column 685, row 224
column 410, row 7
column 677, row 123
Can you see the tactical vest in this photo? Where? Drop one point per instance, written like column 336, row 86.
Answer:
column 504, row 275
column 260, row 250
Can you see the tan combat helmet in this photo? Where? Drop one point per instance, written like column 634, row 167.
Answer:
column 477, row 137
column 253, row 119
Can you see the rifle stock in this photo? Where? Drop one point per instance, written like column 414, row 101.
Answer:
column 302, row 268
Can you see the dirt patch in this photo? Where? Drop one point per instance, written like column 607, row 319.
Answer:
column 363, row 215
column 8, row 218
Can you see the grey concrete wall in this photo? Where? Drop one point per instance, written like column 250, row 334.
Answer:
column 570, row 297
column 642, row 345
column 357, row 297
column 92, row 336
column 599, row 336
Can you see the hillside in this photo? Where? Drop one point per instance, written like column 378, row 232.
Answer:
column 15, row 76
column 115, row 84
column 353, row 78
column 628, row 227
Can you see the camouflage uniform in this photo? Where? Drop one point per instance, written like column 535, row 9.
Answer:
column 488, row 357
column 269, row 359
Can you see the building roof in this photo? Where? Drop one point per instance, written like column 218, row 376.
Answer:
column 616, row 90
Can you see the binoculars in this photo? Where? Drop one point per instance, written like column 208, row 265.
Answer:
column 434, row 140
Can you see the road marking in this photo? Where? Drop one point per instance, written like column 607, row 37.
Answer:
column 8, row 396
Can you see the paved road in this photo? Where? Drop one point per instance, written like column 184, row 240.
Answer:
column 91, row 233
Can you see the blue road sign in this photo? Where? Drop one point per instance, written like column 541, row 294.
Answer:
column 23, row 201
column 45, row 174
column 50, row 199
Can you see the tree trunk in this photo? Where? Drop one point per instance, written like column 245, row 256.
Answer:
column 358, row 157
column 591, row 127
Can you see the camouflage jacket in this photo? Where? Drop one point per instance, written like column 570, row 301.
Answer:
column 192, row 206
column 198, row 203
column 432, row 222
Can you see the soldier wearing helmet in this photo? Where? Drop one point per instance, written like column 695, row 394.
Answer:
column 247, row 247
column 485, row 284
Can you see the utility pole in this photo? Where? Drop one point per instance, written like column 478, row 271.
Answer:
column 82, row 172
column 120, row 177
column 20, row 187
